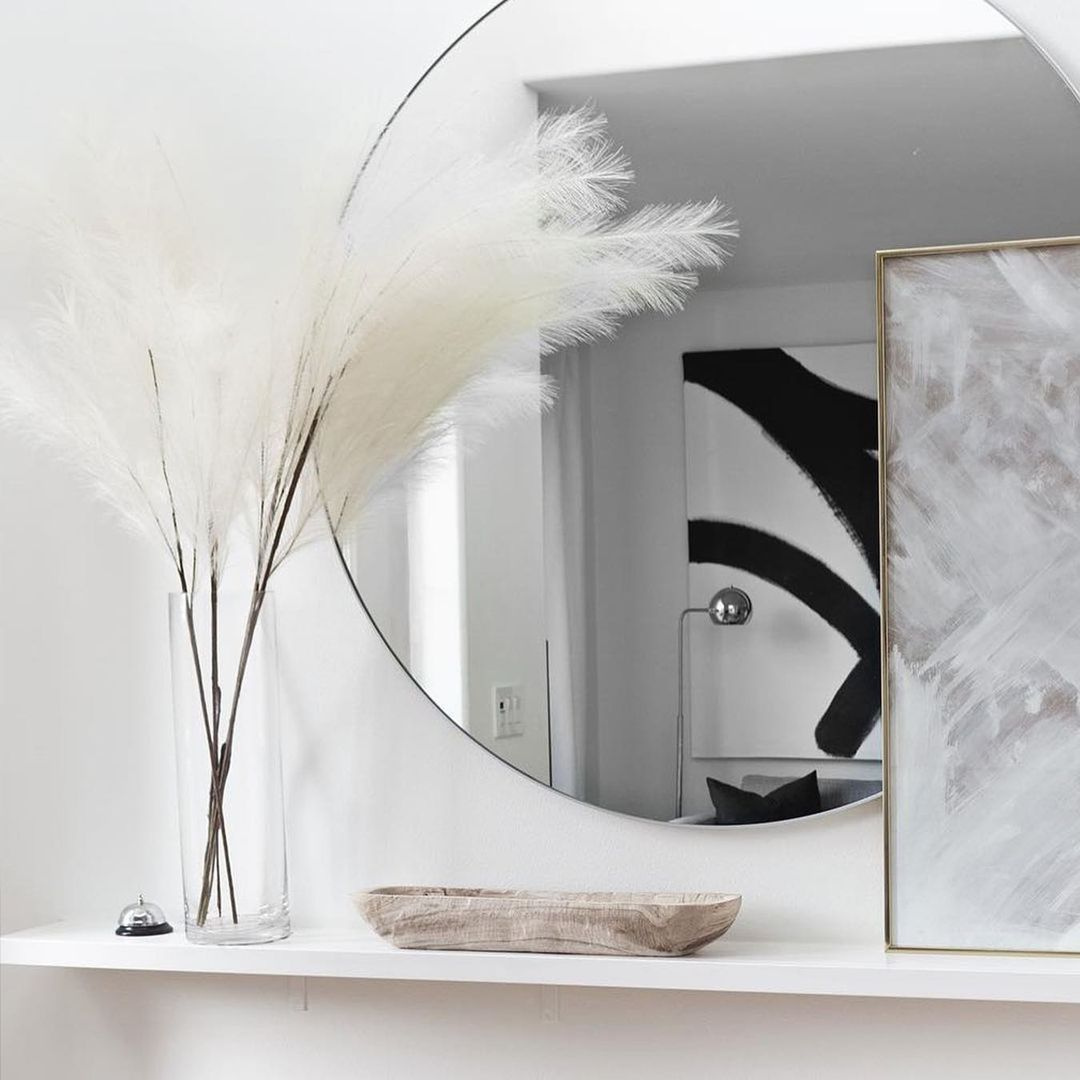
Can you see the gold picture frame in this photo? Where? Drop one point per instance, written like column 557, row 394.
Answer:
column 884, row 260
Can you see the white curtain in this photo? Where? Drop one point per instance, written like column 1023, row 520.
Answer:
column 565, row 540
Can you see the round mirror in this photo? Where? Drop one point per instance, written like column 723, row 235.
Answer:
column 661, row 595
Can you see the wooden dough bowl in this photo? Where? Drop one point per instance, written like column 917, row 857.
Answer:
column 502, row 920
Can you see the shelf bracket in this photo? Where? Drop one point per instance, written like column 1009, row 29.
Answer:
column 296, row 989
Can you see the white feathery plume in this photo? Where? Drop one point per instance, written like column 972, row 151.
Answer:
column 200, row 396
column 502, row 259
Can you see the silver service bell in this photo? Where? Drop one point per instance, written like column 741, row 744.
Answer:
column 142, row 919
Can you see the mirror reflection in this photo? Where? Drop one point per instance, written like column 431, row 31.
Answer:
column 662, row 596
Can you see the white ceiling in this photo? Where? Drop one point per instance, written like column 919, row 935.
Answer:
column 827, row 158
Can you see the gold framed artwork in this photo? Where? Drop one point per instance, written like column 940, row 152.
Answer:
column 979, row 413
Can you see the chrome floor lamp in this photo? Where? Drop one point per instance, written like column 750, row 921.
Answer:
column 729, row 607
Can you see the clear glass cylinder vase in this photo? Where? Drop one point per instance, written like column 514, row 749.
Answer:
column 228, row 764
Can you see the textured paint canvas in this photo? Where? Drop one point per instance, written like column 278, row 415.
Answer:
column 782, row 499
column 980, row 367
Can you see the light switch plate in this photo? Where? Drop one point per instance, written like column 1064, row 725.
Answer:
column 507, row 716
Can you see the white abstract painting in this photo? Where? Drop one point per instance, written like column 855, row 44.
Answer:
column 782, row 500
column 981, row 386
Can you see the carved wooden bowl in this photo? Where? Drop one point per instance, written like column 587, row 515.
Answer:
column 502, row 920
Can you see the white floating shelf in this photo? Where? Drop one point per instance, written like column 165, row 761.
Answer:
column 729, row 965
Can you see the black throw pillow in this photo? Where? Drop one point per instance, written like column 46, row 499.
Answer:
column 797, row 798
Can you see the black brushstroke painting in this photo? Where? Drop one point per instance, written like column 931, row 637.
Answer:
column 827, row 433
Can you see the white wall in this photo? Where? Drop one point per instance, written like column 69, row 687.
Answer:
column 601, row 37
column 452, row 573
column 379, row 788
column 504, row 591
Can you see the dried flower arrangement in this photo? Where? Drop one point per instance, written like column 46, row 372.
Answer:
column 208, row 410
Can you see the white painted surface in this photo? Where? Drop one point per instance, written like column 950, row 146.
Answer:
column 750, row 967
column 601, row 37
column 935, row 141
column 503, row 591
column 380, row 789
column 435, row 570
